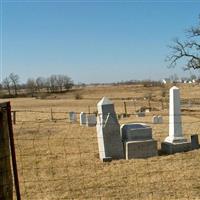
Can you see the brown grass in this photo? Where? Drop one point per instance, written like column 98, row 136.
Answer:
column 59, row 160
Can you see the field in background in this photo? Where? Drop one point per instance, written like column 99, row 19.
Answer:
column 59, row 160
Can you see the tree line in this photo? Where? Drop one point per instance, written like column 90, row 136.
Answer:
column 51, row 84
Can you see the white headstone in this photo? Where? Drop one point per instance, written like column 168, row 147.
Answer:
column 72, row 117
column 91, row 120
column 82, row 118
column 108, row 131
column 175, row 123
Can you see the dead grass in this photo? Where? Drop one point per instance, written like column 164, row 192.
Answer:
column 59, row 160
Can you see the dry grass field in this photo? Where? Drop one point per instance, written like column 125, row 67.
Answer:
column 59, row 160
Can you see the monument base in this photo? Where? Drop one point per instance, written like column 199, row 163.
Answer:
column 171, row 148
column 175, row 140
column 141, row 149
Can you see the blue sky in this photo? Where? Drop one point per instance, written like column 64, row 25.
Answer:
column 93, row 41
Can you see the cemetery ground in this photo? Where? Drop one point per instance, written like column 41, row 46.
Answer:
column 59, row 160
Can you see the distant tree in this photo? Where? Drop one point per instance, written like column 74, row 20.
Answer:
column 40, row 83
column 68, row 83
column 60, row 79
column 14, row 81
column 187, row 50
column 31, row 86
column 7, row 84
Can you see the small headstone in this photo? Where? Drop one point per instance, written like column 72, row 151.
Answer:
column 72, row 117
column 108, row 131
column 82, row 118
column 194, row 141
column 160, row 119
column 155, row 119
column 91, row 120
column 141, row 114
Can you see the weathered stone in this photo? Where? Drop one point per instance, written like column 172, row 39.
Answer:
column 171, row 148
column 72, row 117
column 155, row 119
column 108, row 131
column 91, row 120
column 141, row 149
column 194, row 141
column 141, row 114
column 137, row 140
column 160, row 119
column 82, row 118
column 135, row 131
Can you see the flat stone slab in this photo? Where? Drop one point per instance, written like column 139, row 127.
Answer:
column 171, row 148
column 141, row 149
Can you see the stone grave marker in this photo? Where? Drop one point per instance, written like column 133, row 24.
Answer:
column 137, row 140
column 108, row 132
column 175, row 142
column 82, row 118
column 72, row 117
column 91, row 120
column 160, row 119
column 155, row 119
column 194, row 141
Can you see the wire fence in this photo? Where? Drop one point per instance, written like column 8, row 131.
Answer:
column 59, row 159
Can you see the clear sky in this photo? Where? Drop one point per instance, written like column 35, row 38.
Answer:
column 92, row 41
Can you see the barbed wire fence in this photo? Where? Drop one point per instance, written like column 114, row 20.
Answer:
column 58, row 159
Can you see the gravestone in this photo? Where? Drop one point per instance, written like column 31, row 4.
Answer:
column 135, row 131
column 141, row 114
column 194, row 141
column 160, row 119
column 108, row 132
column 155, row 119
column 82, row 118
column 91, row 120
column 175, row 142
column 72, row 117
column 137, row 140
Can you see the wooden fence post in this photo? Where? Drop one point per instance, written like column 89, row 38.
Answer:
column 125, row 109
column 51, row 114
column 6, row 183
column 14, row 117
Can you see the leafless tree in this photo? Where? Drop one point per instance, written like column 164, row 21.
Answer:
column 40, row 83
column 187, row 50
column 31, row 86
column 7, row 84
column 14, row 81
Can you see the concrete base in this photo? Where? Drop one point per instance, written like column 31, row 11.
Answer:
column 141, row 149
column 171, row 148
column 194, row 141
column 107, row 159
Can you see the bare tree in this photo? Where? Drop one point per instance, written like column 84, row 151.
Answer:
column 7, row 84
column 31, row 86
column 68, row 83
column 40, row 83
column 188, row 50
column 14, row 81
